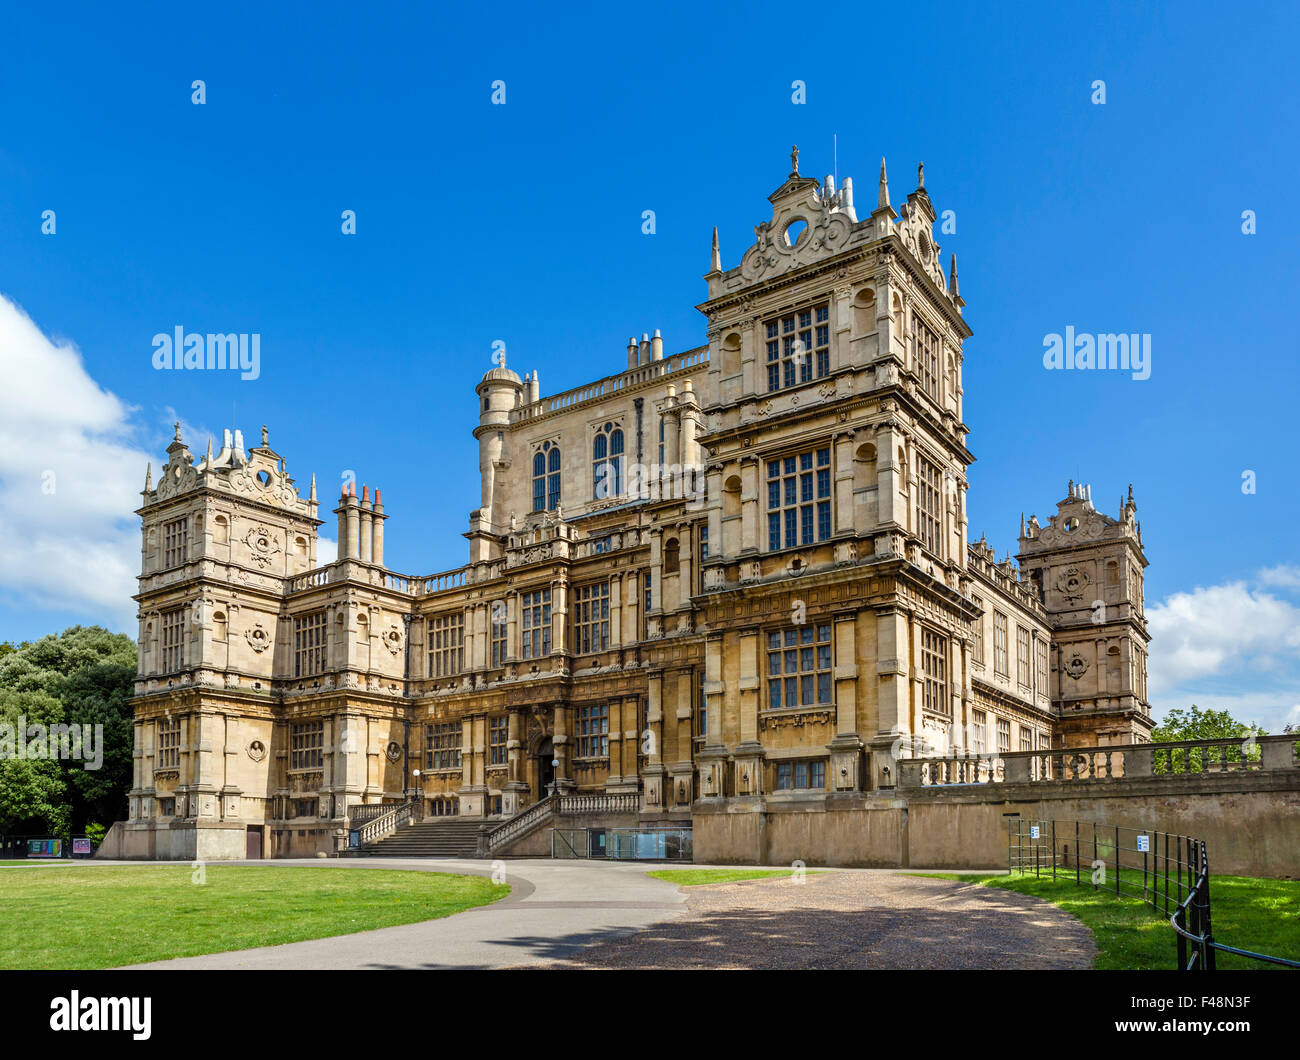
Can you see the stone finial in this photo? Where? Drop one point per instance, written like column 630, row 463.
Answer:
column 207, row 464
column 715, row 262
column 920, row 175
column 177, row 436
column 312, row 497
column 794, row 160
column 952, row 276
column 882, row 197
column 265, row 436
column 148, row 476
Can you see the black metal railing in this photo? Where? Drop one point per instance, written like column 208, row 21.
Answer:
column 1167, row 871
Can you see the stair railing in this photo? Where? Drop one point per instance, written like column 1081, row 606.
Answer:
column 383, row 824
column 493, row 839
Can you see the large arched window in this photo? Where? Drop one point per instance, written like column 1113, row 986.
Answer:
column 607, row 462
column 546, row 477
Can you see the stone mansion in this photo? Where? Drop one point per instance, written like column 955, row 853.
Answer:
column 710, row 581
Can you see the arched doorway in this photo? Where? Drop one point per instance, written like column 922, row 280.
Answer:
column 545, row 771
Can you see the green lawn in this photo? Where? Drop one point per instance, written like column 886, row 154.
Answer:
column 102, row 917
column 1250, row 913
column 695, row 877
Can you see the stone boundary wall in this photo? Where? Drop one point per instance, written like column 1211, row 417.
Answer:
column 1250, row 822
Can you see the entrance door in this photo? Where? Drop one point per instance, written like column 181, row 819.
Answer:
column 545, row 771
column 253, row 842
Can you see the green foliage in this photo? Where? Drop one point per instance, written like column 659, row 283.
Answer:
column 95, row 833
column 82, row 676
column 1198, row 724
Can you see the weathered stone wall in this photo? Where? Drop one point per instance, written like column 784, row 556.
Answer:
column 1250, row 823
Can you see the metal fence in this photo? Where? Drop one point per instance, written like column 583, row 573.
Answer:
column 1167, row 871
column 622, row 844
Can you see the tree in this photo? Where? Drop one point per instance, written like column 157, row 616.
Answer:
column 83, row 676
column 1198, row 724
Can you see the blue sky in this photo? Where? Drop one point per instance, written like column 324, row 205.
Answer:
column 522, row 223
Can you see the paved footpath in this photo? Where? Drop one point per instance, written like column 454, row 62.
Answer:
column 554, row 909
column 592, row 914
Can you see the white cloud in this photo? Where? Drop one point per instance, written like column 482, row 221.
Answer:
column 1228, row 647
column 1283, row 576
column 327, row 551
column 70, row 478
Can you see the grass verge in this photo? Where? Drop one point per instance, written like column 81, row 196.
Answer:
column 696, row 877
column 1249, row 912
column 103, row 917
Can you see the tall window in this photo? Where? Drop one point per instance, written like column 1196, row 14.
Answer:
column 934, row 666
column 925, row 345
column 497, row 731
column 306, row 745
column 1000, row 644
column 309, row 644
column 176, row 541
column 169, row 743
column 661, row 441
column 1026, row 739
column 536, row 635
column 498, row 637
column 798, row 346
column 791, row 776
column 1024, row 661
column 593, row 731
column 607, row 463
column 442, row 745
column 1004, row 735
column 929, row 484
column 591, row 618
column 702, row 710
column 799, row 666
column 446, row 644
column 979, row 731
column 546, row 477
column 798, row 499
column 173, row 639
column 979, row 632
column 1041, row 651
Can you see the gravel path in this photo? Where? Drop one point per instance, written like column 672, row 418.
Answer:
column 851, row 920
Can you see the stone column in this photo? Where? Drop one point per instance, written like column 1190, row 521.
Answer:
column 653, row 796
column 560, row 615
column 749, row 493
column 890, row 477
column 844, row 522
column 893, row 694
column 615, row 612
column 515, row 789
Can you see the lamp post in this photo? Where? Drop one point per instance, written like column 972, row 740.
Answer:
column 555, row 776
column 419, row 794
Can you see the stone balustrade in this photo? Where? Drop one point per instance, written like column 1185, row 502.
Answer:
column 1182, row 758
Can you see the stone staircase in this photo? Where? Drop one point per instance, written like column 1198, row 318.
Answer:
column 439, row 837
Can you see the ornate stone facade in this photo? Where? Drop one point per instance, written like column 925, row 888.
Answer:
column 726, row 576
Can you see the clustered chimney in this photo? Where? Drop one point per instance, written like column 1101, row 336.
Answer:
column 361, row 526
column 649, row 349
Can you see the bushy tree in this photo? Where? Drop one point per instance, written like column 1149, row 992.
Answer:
column 83, row 676
column 1198, row 724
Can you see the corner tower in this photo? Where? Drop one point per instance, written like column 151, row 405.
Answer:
column 1088, row 569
